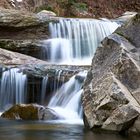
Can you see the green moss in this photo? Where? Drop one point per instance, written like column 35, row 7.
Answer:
column 136, row 19
column 7, row 45
column 80, row 6
column 28, row 112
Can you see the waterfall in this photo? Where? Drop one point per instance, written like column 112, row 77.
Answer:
column 43, row 89
column 54, row 86
column 67, row 100
column 13, row 88
column 56, row 80
column 74, row 41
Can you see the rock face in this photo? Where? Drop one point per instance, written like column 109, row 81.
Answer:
column 15, row 24
column 111, row 97
column 21, row 31
column 30, row 112
column 9, row 58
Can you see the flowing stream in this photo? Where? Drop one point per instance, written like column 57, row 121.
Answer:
column 67, row 100
column 72, row 41
column 35, row 130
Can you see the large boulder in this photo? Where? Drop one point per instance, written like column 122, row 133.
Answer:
column 111, row 98
column 24, row 112
column 30, row 112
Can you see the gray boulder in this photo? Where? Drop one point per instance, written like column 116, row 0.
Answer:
column 112, row 88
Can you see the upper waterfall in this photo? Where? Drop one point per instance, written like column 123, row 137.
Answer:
column 74, row 41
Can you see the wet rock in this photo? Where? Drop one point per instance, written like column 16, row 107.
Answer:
column 50, row 114
column 111, row 90
column 125, row 17
column 30, row 112
column 24, row 112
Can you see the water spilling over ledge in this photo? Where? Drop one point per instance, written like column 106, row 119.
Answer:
column 63, row 95
column 13, row 89
column 74, row 41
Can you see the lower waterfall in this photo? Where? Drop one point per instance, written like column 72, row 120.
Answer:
column 65, row 97
column 67, row 100
column 13, row 89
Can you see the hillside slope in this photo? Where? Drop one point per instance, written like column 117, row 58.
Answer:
column 76, row 8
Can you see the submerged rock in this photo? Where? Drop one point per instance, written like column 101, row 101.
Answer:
column 30, row 112
column 112, row 88
column 50, row 114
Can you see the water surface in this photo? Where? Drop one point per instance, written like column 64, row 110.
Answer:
column 37, row 130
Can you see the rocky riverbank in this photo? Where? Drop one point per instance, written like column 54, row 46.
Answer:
column 111, row 97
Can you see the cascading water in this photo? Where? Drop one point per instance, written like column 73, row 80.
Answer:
column 74, row 41
column 43, row 89
column 54, row 86
column 67, row 100
column 57, row 80
column 13, row 88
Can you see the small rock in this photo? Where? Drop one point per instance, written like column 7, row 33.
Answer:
column 44, row 14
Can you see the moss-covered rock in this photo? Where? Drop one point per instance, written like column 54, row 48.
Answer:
column 24, row 112
column 30, row 112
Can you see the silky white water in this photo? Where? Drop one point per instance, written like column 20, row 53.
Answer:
column 74, row 41
column 67, row 100
column 43, row 89
column 54, row 86
column 12, row 88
